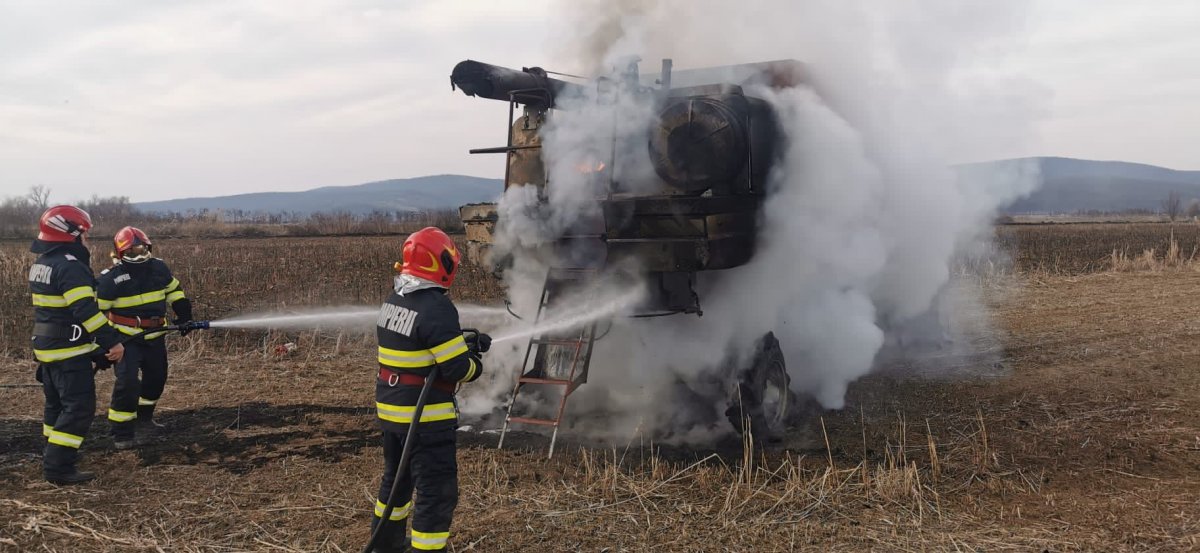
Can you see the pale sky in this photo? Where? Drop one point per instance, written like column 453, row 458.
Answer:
column 157, row 100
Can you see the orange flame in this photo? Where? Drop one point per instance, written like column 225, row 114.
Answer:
column 586, row 167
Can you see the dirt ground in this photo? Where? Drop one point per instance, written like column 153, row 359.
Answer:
column 1084, row 436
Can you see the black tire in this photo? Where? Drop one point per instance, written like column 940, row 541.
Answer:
column 762, row 400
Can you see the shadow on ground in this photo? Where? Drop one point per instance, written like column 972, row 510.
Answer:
column 237, row 439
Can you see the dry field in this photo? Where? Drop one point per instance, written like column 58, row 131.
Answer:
column 1074, row 249
column 1088, row 439
column 240, row 275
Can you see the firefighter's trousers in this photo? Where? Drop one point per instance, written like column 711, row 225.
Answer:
column 134, row 396
column 433, row 473
column 70, row 390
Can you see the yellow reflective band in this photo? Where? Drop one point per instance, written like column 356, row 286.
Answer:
column 448, row 344
column 405, row 359
column 121, row 416
column 429, row 541
column 172, row 285
column 134, row 331
column 140, row 299
column 79, row 292
column 403, row 414
column 398, row 513
column 130, row 330
column 44, row 300
column 64, row 439
column 470, row 372
column 175, row 296
column 62, row 354
column 144, row 401
column 105, row 305
column 449, row 350
column 47, row 429
column 95, row 322
column 443, row 357
column 422, row 358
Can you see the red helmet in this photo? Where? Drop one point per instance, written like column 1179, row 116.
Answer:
column 131, row 245
column 63, row 223
column 431, row 255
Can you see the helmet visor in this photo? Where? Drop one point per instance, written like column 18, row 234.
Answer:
column 136, row 254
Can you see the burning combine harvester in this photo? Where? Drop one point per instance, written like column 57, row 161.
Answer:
column 679, row 194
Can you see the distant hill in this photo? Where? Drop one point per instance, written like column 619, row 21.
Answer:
column 415, row 194
column 1071, row 185
column 1068, row 185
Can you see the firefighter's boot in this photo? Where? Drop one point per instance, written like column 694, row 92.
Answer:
column 392, row 539
column 124, row 435
column 59, row 466
column 124, row 444
column 77, row 477
column 148, row 431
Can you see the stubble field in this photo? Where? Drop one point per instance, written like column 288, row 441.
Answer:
column 1087, row 438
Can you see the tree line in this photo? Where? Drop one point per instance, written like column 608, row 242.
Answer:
column 19, row 215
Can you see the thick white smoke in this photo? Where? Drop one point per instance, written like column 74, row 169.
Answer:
column 865, row 211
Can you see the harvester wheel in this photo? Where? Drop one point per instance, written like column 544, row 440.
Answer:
column 763, row 401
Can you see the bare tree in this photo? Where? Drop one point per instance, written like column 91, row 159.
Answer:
column 1173, row 204
column 1193, row 209
column 39, row 196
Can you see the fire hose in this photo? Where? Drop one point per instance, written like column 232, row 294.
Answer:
column 182, row 327
column 102, row 362
column 406, row 452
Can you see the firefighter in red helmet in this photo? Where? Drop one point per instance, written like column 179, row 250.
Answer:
column 418, row 328
column 134, row 293
column 69, row 332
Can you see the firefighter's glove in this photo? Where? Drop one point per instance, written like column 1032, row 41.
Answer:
column 100, row 362
column 183, row 313
column 184, row 324
column 479, row 343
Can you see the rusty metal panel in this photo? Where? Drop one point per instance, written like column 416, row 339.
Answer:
column 730, row 224
column 666, row 227
column 480, row 231
column 713, row 226
column 525, row 166
column 479, row 222
column 478, row 253
column 682, row 205
column 685, row 254
column 478, row 212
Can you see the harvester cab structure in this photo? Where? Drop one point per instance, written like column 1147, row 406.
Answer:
column 679, row 195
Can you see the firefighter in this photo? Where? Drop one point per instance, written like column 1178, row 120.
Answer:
column 69, row 334
column 134, row 294
column 418, row 328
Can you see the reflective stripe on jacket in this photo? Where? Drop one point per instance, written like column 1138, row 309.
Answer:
column 63, row 294
column 417, row 331
column 139, row 290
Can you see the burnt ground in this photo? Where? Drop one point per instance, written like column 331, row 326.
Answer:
column 1087, row 440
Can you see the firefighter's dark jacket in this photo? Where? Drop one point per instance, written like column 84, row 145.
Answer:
column 67, row 320
column 142, row 290
column 417, row 331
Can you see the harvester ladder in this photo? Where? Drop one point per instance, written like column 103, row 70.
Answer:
column 537, row 355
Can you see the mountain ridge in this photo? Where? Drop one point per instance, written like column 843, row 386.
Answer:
column 1069, row 185
column 429, row 192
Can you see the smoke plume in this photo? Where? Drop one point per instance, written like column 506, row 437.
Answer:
column 865, row 211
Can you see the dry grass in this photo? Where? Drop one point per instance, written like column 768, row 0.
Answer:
column 1077, row 249
column 230, row 276
column 1150, row 260
column 1087, row 440
column 629, row 499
